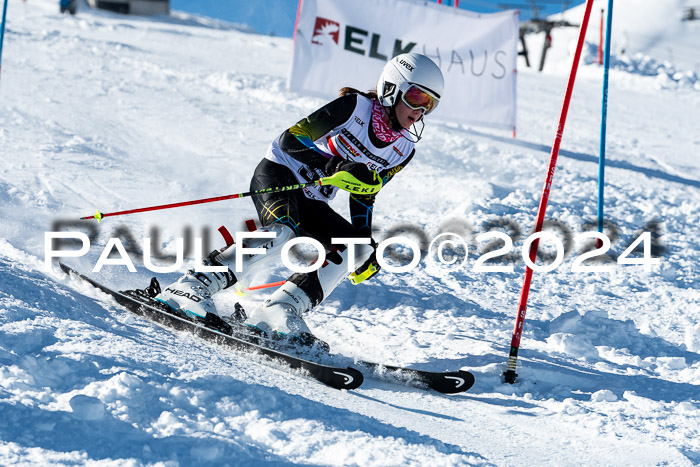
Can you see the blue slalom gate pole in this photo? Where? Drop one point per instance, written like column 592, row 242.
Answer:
column 2, row 31
column 601, row 164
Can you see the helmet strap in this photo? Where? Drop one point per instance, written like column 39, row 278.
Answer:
column 415, row 131
column 393, row 121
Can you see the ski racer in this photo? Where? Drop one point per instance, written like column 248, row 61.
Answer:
column 367, row 138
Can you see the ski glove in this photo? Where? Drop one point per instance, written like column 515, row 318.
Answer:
column 352, row 176
column 368, row 269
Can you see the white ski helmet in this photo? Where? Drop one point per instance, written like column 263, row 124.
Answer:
column 405, row 70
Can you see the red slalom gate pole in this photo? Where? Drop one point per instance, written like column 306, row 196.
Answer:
column 296, row 22
column 600, row 39
column 510, row 374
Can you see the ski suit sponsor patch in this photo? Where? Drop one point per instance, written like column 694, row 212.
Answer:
column 363, row 149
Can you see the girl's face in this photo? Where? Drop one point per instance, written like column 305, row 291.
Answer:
column 406, row 116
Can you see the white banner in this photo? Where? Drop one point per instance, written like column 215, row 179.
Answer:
column 346, row 43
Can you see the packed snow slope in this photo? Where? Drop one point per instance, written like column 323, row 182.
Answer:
column 101, row 111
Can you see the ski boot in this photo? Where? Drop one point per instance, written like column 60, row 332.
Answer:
column 280, row 317
column 191, row 295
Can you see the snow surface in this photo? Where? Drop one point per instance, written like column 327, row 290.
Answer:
column 113, row 112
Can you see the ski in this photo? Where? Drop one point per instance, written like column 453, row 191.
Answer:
column 335, row 377
column 446, row 382
column 240, row 337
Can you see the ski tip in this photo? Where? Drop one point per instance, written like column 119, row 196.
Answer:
column 347, row 378
column 454, row 382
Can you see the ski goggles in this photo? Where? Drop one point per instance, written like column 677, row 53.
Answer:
column 418, row 98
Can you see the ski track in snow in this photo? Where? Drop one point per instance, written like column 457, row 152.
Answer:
column 112, row 112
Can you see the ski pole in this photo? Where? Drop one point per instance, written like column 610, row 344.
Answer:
column 343, row 180
column 99, row 216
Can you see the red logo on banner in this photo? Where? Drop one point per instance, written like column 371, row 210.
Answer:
column 325, row 30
